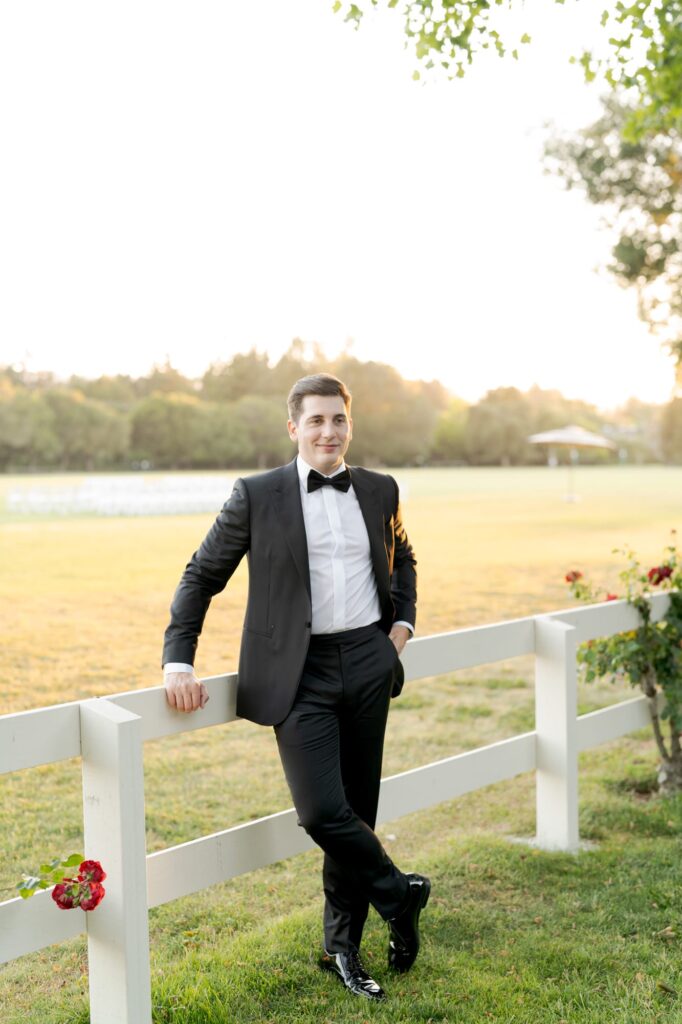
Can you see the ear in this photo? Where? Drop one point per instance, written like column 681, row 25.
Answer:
column 293, row 430
column 350, row 428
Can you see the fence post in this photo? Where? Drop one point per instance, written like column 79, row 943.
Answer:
column 556, row 708
column 114, row 832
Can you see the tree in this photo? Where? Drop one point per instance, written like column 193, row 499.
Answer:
column 27, row 433
column 630, row 161
column 167, row 379
column 637, row 427
column 449, row 435
column 120, row 390
column 497, row 428
column 644, row 57
column 638, row 184
column 223, row 438
column 298, row 361
column 394, row 419
column 265, row 420
column 89, row 433
column 245, row 374
column 166, row 430
column 671, row 431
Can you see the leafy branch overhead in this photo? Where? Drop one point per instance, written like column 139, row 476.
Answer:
column 642, row 49
column 630, row 160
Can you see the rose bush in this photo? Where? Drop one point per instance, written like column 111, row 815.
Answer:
column 649, row 657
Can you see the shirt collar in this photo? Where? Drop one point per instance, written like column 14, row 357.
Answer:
column 303, row 470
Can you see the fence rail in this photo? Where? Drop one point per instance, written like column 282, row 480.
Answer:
column 108, row 733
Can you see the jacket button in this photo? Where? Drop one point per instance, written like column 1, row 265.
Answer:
column 308, row 625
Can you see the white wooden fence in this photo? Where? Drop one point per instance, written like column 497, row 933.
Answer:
column 122, row 494
column 108, row 733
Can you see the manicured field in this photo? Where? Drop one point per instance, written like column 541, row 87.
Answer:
column 513, row 935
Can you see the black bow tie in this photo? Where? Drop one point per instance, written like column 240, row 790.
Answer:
column 341, row 481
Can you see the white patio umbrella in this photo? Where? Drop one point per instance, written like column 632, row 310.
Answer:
column 573, row 437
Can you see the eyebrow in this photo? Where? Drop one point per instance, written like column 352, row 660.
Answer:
column 319, row 416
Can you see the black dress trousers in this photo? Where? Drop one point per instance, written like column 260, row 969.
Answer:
column 331, row 747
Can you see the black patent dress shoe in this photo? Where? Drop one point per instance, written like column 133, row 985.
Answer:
column 349, row 969
column 403, row 930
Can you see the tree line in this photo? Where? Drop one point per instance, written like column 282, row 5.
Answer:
column 235, row 414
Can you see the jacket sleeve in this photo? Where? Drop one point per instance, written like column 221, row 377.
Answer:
column 206, row 574
column 404, row 576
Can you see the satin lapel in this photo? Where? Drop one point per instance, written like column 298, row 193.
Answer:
column 370, row 506
column 287, row 499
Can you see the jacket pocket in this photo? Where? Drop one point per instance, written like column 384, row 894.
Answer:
column 260, row 632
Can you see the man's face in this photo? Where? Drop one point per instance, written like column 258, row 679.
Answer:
column 323, row 432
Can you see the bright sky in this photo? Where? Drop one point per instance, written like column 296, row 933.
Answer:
column 192, row 179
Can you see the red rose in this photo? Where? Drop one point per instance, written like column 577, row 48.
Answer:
column 62, row 896
column 95, row 895
column 574, row 575
column 659, row 573
column 612, row 597
column 91, row 871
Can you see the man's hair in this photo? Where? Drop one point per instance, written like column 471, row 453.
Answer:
column 315, row 384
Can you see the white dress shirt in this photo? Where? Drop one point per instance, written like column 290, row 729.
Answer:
column 343, row 586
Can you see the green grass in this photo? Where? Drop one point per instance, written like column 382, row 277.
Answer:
column 511, row 934
column 84, row 603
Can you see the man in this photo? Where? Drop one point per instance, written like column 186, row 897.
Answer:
column 332, row 596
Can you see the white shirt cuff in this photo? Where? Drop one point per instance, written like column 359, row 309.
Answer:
column 177, row 666
column 401, row 622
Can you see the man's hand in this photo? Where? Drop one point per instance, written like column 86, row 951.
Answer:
column 184, row 691
column 399, row 635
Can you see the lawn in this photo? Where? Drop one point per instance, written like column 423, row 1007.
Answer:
column 512, row 934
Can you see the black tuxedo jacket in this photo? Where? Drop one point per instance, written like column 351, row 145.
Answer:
column 263, row 519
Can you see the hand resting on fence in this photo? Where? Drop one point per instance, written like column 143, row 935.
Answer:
column 184, row 691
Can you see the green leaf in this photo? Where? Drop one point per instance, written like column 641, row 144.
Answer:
column 525, row 38
column 354, row 14
column 73, row 860
column 30, row 883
